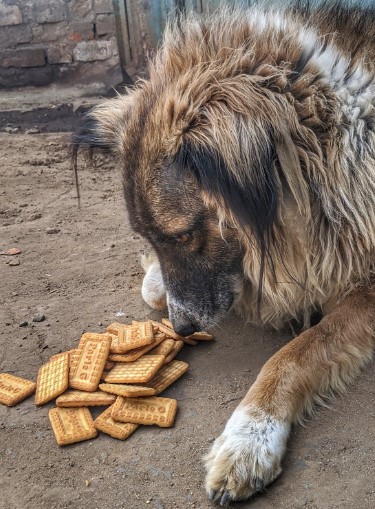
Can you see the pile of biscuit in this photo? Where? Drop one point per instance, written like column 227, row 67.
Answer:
column 135, row 363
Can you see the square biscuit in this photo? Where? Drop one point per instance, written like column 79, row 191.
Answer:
column 127, row 391
column 71, row 425
column 135, row 336
column 166, row 375
column 14, row 389
column 147, row 411
column 133, row 355
column 176, row 348
column 83, row 398
column 139, row 371
column 90, row 364
column 53, row 379
column 120, row 430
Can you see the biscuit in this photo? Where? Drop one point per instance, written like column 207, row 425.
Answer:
column 72, row 425
column 14, row 389
column 176, row 348
column 90, row 364
column 114, row 327
column 139, row 371
column 147, row 411
column 133, row 355
column 73, row 361
column 132, row 336
column 120, row 430
column 135, row 336
column 167, row 322
column 53, row 379
column 93, row 336
column 125, row 390
column 172, row 334
column 168, row 374
column 109, row 365
column 201, row 336
column 164, row 348
column 83, row 398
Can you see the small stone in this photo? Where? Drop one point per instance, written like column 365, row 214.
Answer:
column 8, row 323
column 52, row 231
column 113, row 245
column 38, row 317
column 13, row 263
column 36, row 216
column 22, row 205
column 8, row 130
column 12, row 251
column 100, row 324
column 33, row 130
column 23, row 324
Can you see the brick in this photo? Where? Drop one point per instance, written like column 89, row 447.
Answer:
column 32, row 76
column 103, row 6
column 59, row 55
column 81, row 31
column 105, row 24
column 22, row 58
column 93, row 50
column 49, row 11
column 13, row 35
column 10, row 15
column 50, row 32
column 81, row 10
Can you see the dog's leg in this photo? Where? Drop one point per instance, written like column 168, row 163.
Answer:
column 321, row 361
column 153, row 289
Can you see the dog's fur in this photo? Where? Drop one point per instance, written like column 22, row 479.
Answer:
column 249, row 164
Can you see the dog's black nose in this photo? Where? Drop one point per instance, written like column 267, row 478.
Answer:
column 184, row 329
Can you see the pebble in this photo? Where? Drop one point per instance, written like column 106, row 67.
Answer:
column 36, row 216
column 23, row 324
column 33, row 130
column 13, row 263
column 38, row 317
column 51, row 231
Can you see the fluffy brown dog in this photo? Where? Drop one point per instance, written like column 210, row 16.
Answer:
column 248, row 159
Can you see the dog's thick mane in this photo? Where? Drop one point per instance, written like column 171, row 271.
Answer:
column 274, row 113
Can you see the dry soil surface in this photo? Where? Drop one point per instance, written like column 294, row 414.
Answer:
column 80, row 276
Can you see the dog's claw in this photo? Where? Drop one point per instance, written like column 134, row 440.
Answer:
column 224, row 499
column 259, row 485
column 212, row 494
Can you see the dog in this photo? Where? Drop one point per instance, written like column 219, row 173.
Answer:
column 248, row 160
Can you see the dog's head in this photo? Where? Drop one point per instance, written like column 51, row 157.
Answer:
column 203, row 148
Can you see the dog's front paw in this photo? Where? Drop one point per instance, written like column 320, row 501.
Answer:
column 246, row 457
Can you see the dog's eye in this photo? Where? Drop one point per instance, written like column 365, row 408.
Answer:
column 183, row 238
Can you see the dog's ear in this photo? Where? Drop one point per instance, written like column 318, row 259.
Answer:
column 242, row 181
column 104, row 126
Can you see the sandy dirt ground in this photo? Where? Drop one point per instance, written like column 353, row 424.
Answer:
column 79, row 277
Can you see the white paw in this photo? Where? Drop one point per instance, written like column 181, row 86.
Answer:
column 153, row 289
column 246, row 457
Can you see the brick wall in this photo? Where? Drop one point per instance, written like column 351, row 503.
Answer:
column 58, row 41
